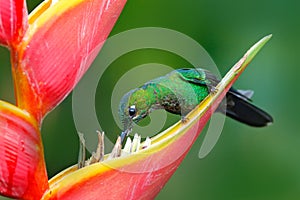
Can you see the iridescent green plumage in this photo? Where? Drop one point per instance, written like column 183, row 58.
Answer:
column 179, row 92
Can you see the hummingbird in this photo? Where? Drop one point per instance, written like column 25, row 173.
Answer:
column 179, row 92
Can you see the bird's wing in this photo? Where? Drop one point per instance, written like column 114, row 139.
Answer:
column 198, row 76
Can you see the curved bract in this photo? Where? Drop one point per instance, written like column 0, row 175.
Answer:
column 142, row 175
column 60, row 44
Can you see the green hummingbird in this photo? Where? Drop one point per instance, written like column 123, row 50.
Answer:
column 179, row 92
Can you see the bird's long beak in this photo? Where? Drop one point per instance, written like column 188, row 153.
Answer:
column 124, row 134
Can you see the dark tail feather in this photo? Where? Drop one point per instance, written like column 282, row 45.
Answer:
column 240, row 108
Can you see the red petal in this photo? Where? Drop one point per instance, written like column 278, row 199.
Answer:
column 22, row 167
column 13, row 21
column 61, row 44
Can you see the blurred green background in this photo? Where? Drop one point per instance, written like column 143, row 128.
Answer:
column 247, row 163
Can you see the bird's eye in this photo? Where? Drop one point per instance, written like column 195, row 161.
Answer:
column 132, row 110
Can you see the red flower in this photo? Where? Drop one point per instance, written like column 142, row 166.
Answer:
column 50, row 51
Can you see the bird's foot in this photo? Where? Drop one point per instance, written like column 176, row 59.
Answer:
column 213, row 90
column 184, row 119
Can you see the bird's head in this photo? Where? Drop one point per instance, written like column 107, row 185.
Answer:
column 134, row 106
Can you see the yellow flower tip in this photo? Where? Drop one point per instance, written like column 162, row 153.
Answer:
column 40, row 9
